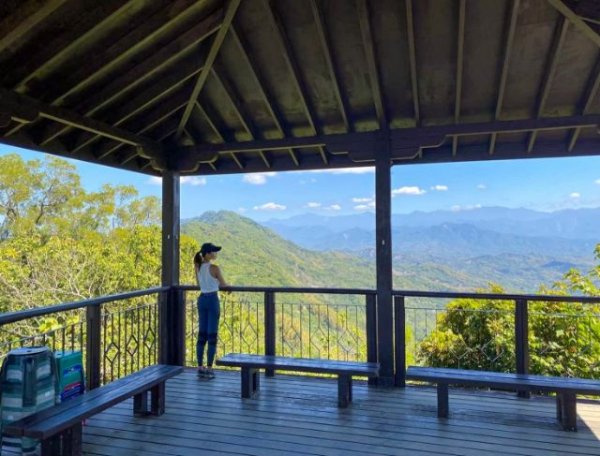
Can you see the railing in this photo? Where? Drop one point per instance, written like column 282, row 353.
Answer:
column 300, row 322
column 116, row 334
column 551, row 330
column 119, row 334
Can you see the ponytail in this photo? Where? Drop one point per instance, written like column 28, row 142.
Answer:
column 198, row 260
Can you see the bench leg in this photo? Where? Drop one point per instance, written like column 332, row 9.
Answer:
column 157, row 399
column 250, row 382
column 51, row 446
column 140, row 404
column 442, row 400
column 566, row 410
column 344, row 390
column 71, row 443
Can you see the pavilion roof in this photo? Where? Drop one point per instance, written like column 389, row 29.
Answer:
column 210, row 87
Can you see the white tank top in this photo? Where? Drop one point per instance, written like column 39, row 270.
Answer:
column 208, row 284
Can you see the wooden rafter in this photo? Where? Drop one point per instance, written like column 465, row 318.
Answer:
column 322, row 32
column 550, row 70
column 261, row 85
column 294, row 69
column 510, row 35
column 209, row 120
column 92, row 27
column 459, row 68
column 169, row 84
column 212, row 55
column 122, row 85
column 412, row 58
column 28, row 15
column 234, row 98
column 589, row 95
column 577, row 21
column 369, row 47
column 14, row 102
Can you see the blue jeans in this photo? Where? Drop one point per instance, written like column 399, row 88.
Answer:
column 209, row 311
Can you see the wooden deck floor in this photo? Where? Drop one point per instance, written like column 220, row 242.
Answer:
column 298, row 415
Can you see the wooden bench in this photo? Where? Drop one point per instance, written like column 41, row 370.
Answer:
column 565, row 388
column 59, row 427
column 250, row 365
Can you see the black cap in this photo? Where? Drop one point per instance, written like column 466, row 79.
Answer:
column 207, row 247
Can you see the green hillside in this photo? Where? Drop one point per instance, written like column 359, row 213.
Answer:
column 253, row 255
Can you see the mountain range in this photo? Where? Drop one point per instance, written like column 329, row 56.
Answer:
column 432, row 251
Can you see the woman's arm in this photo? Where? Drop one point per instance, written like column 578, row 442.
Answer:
column 216, row 273
column 196, row 269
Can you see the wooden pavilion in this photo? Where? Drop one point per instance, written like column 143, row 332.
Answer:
column 207, row 87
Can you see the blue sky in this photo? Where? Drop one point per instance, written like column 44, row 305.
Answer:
column 539, row 184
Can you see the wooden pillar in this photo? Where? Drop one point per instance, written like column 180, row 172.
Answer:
column 171, row 308
column 383, row 229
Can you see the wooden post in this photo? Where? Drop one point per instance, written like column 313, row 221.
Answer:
column 93, row 346
column 383, row 221
column 269, row 328
column 399, row 341
column 171, row 308
column 371, row 324
column 522, row 340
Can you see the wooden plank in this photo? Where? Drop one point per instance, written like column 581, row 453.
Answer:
column 385, row 423
column 510, row 35
column 588, row 97
column 548, row 76
column 459, row 67
column 412, row 57
column 369, row 47
column 298, row 364
column 232, row 7
column 577, row 21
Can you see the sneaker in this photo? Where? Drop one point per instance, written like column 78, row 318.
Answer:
column 209, row 373
column 201, row 372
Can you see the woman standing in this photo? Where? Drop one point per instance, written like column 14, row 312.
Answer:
column 210, row 280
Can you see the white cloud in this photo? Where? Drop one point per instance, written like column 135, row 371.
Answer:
column 440, row 188
column 362, row 207
column 365, row 170
column 192, row 180
column 334, row 207
column 481, row 186
column 575, row 195
column 312, row 180
column 183, row 180
column 270, row 207
column 362, row 200
column 241, row 210
column 257, row 178
column 597, row 181
column 412, row 191
column 313, row 205
column 459, row 208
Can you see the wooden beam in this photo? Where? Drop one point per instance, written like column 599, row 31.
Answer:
column 459, row 67
column 133, row 43
column 510, row 35
column 588, row 97
column 548, row 76
column 234, row 98
column 425, row 136
column 8, row 99
column 261, row 84
column 412, row 57
column 28, row 15
column 83, row 33
column 212, row 55
column 170, row 83
column 577, row 21
column 369, row 47
column 122, row 85
column 323, row 34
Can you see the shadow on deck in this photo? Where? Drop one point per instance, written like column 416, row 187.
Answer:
column 298, row 415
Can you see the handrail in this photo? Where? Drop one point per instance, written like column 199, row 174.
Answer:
column 345, row 291
column 12, row 317
column 507, row 297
